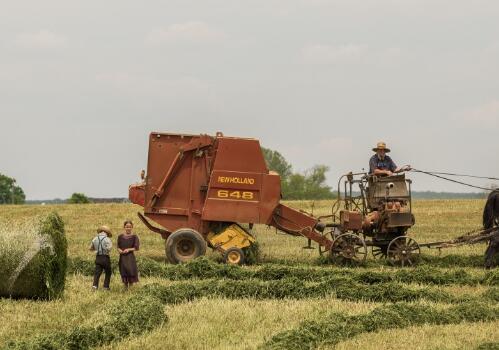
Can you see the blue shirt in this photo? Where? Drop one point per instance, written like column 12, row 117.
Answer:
column 385, row 164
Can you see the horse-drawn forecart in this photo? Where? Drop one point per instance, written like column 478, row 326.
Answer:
column 373, row 212
column 376, row 212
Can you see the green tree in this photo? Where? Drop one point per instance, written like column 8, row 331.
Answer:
column 315, row 183
column 309, row 185
column 276, row 162
column 78, row 198
column 10, row 192
column 295, row 187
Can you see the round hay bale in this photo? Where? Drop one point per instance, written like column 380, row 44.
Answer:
column 33, row 258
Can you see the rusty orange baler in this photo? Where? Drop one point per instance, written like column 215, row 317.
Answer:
column 200, row 188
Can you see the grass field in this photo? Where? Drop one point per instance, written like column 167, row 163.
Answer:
column 282, row 309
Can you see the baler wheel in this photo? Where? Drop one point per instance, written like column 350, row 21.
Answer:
column 184, row 245
column 234, row 256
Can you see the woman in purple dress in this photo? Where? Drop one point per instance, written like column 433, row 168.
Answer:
column 127, row 244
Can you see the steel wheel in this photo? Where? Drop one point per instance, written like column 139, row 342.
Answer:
column 403, row 251
column 379, row 252
column 348, row 248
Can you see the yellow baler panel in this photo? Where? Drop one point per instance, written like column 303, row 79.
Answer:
column 232, row 236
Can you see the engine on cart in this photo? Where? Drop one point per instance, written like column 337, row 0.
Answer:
column 378, row 208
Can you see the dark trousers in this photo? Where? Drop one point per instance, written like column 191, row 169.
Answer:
column 491, row 251
column 102, row 263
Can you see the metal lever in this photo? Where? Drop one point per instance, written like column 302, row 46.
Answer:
column 309, row 245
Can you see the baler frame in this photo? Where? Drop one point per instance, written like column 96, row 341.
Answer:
column 195, row 183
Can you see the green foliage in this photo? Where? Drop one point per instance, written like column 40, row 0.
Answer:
column 309, row 185
column 335, row 327
column 10, row 192
column 78, row 198
column 492, row 294
column 294, row 288
column 453, row 260
column 252, row 254
column 139, row 314
column 35, row 268
column 55, row 269
column 203, row 268
column 489, row 346
column 276, row 162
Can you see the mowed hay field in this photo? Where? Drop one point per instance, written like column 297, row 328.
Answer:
column 291, row 299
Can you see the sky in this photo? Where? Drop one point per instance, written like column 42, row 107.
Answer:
column 83, row 83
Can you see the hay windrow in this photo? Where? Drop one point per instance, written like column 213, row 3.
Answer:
column 203, row 268
column 137, row 315
column 33, row 257
column 293, row 288
column 335, row 327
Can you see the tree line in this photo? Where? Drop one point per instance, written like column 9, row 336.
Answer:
column 310, row 184
column 12, row 193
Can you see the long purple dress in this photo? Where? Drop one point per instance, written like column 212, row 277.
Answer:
column 128, row 265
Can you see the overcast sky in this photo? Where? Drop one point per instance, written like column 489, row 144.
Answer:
column 82, row 83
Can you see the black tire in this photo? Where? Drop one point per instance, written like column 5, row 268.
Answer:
column 184, row 245
column 234, row 256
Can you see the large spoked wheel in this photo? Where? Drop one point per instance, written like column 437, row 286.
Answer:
column 184, row 245
column 348, row 248
column 379, row 251
column 403, row 251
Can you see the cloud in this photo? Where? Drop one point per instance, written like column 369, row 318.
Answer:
column 180, row 92
column 325, row 54
column 486, row 115
column 331, row 151
column 44, row 39
column 188, row 32
column 133, row 84
column 335, row 145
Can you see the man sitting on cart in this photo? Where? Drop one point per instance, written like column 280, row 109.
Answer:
column 381, row 164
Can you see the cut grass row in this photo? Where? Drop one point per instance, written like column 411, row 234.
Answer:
column 139, row 314
column 335, row 327
column 204, row 268
column 342, row 288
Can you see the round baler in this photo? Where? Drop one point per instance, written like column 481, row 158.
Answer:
column 201, row 189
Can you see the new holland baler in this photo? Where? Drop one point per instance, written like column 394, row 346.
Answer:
column 201, row 188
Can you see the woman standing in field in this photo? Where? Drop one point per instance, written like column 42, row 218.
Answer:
column 127, row 244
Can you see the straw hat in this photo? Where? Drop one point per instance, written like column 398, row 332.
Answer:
column 105, row 229
column 381, row 145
